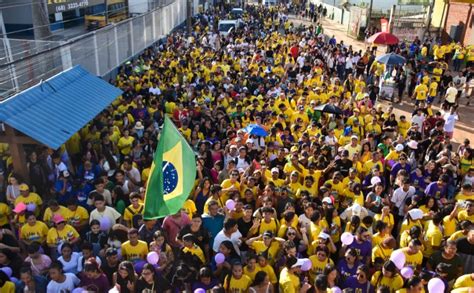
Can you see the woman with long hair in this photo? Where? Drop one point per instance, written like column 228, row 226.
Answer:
column 152, row 282
column 261, row 283
column 93, row 279
column 201, row 194
column 164, row 250
column 360, row 281
column 125, row 278
column 348, row 265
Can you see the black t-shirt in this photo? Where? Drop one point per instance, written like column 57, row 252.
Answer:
column 343, row 166
column 244, row 228
column 438, row 258
column 109, row 270
column 159, row 285
column 201, row 236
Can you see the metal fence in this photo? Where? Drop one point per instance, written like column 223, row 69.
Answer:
column 24, row 63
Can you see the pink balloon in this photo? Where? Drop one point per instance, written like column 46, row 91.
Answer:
column 199, row 290
column 436, row 285
column 407, row 272
column 307, row 265
column 219, row 258
column 398, row 258
column 152, row 258
column 230, row 204
column 347, row 238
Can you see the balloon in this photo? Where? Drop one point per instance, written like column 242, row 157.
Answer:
column 407, row 272
column 219, row 258
column 105, row 224
column 436, row 285
column 7, row 270
column 347, row 238
column 139, row 266
column 199, row 290
column 14, row 280
column 336, row 289
column 153, row 257
column 306, row 265
column 230, row 204
column 398, row 258
column 31, row 207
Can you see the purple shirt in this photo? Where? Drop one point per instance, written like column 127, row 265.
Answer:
column 345, row 271
column 433, row 190
column 397, row 167
column 357, row 287
column 364, row 249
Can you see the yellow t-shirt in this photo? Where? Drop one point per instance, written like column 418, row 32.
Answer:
column 273, row 226
column 130, row 211
column 317, row 266
column 393, row 283
column 251, row 274
column 48, row 214
column 413, row 260
column 464, row 281
column 433, row 237
column 270, row 272
column 449, row 226
column 433, row 89
column 5, row 212
column 289, row 283
column 67, row 234
column 75, row 217
column 31, row 198
column 8, row 287
column 237, row 285
column 227, row 184
column 259, row 247
column 35, row 233
column 387, row 220
column 125, row 145
column 463, row 216
column 379, row 251
column 421, row 92
column 197, row 251
column 137, row 252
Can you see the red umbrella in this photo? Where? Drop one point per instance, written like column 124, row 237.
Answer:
column 383, row 38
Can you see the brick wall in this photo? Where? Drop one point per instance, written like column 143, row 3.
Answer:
column 460, row 12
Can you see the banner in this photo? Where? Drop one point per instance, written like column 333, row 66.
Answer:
column 384, row 25
column 57, row 6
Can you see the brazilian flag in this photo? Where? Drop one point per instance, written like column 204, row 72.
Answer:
column 172, row 174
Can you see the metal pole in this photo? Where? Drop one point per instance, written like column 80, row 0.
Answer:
column 188, row 17
column 370, row 13
column 8, row 51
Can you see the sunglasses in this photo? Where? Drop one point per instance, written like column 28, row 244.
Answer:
column 291, row 234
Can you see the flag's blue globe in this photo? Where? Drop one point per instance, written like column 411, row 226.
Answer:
column 170, row 177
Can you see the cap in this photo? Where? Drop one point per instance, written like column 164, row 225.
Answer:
column 250, row 140
column 323, row 235
column 58, row 219
column 275, row 170
column 327, row 200
column 356, row 209
column 298, row 263
column 19, row 208
column 294, row 149
column 111, row 251
column 268, row 234
column 399, row 147
column 188, row 237
column 416, row 214
column 139, row 125
column 355, row 137
column 24, row 187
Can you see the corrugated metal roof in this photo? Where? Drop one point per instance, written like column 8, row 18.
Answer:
column 52, row 111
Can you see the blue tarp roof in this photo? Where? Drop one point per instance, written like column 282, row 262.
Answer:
column 52, row 111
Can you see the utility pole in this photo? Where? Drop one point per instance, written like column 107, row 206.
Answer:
column 189, row 17
column 369, row 16
column 428, row 19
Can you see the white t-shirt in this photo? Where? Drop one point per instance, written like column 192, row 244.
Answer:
column 68, row 285
column 451, row 93
column 399, row 197
column 449, row 120
column 109, row 212
column 234, row 238
column 418, row 120
column 72, row 265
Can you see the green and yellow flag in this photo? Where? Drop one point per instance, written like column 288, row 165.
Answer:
column 172, row 174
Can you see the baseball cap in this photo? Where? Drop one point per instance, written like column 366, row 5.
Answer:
column 399, row 147
column 323, row 235
column 58, row 219
column 24, row 187
column 327, row 200
column 275, row 170
column 298, row 263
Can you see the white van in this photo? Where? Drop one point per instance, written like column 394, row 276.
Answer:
column 228, row 25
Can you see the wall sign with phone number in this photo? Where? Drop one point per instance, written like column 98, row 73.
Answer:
column 57, row 6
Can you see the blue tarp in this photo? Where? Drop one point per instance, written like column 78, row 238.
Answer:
column 52, row 111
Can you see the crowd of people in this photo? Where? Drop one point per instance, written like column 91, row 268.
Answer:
column 361, row 200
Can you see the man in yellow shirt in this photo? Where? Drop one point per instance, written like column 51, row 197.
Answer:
column 134, row 249
column 433, row 236
column 192, row 249
column 468, row 213
column 33, row 230
column 413, row 254
column 289, row 277
column 420, row 93
column 28, row 197
column 133, row 214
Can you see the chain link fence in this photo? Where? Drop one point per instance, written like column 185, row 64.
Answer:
column 24, row 63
